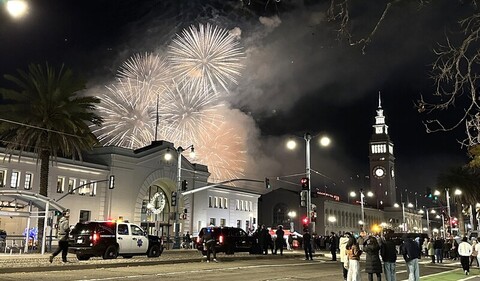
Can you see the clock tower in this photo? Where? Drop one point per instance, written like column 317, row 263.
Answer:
column 382, row 163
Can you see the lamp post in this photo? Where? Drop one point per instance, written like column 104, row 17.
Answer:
column 180, row 150
column 291, row 216
column 403, row 215
column 324, row 141
column 362, row 205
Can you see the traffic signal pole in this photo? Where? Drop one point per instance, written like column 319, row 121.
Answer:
column 311, row 225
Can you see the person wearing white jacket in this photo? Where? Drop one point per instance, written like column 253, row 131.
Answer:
column 464, row 251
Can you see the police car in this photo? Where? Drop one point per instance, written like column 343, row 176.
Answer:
column 109, row 239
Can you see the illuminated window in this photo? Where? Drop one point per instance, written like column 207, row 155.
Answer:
column 14, row 179
column 225, row 203
column 93, row 188
column 223, row 222
column 60, row 184
column 71, row 185
column 28, row 180
column 82, row 190
column 213, row 221
column 3, row 177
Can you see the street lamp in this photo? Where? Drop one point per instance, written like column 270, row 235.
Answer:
column 17, row 8
column 362, row 203
column 291, row 216
column 447, row 197
column 404, row 226
column 168, row 156
column 291, row 144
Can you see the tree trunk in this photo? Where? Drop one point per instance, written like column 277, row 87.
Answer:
column 44, row 170
column 461, row 219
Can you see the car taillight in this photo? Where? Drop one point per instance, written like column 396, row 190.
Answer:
column 94, row 238
column 220, row 239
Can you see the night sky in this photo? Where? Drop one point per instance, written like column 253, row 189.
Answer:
column 298, row 77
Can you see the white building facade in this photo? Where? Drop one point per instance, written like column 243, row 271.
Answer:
column 143, row 188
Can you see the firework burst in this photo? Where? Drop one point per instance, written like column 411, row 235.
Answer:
column 185, row 111
column 128, row 114
column 222, row 147
column 207, row 56
column 150, row 70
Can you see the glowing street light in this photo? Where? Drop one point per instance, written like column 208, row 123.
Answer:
column 17, row 8
column 362, row 203
column 291, row 144
column 168, row 156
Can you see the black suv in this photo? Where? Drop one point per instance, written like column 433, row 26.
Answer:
column 229, row 240
column 109, row 239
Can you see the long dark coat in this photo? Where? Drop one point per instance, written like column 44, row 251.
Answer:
column 372, row 261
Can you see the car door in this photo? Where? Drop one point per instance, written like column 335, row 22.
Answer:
column 139, row 240
column 242, row 243
column 124, row 238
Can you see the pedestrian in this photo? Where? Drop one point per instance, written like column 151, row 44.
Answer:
column 388, row 251
column 209, row 238
column 361, row 239
column 353, row 254
column 264, row 239
column 431, row 250
column 188, row 240
column 464, row 251
column 307, row 245
column 62, row 235
column 333, row 246
column 438, row 247
column 373, row 265
column 279, row 241
column 342, row 244
column 411, row 254
column 473, row 256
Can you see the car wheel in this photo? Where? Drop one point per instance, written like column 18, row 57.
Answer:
column 83, row 257
column 110, row 253
column 154, row 252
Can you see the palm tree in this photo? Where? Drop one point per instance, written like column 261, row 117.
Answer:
column 467, row 180
column 45, row 114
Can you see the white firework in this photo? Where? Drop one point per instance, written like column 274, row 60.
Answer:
column 151, row 70
column 185, row 110
column 207, row 56
column 128, row 115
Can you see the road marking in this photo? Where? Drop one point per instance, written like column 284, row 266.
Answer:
column 200, row 271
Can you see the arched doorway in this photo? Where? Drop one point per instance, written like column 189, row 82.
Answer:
column 155, row 211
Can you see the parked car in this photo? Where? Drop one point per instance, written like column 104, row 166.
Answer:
column 228, row 240
column 109, row 239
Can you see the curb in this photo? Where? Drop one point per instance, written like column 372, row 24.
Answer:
column 85, row 265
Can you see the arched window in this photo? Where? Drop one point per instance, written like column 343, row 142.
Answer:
column 280, row 214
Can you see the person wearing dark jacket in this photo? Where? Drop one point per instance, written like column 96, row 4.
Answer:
column 438, row 248
column 411, row 254
column 372, row 261
column 280, row 240
column 388, row 251
column 333, row 246
column 307, row 245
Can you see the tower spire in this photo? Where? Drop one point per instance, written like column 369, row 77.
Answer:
column 379, row 100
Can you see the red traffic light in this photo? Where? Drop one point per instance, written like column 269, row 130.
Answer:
column 305, row 220
column 304, row 182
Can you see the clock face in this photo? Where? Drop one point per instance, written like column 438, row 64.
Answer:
column 379, row 172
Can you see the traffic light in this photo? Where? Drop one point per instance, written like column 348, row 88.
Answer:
column 267, row 183
column 305, row 222
column 428, row 194
column 184, row 185
column 174, row 199
column 303, row 198
column 304, row 182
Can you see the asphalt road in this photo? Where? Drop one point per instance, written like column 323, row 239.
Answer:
column 288, row 268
